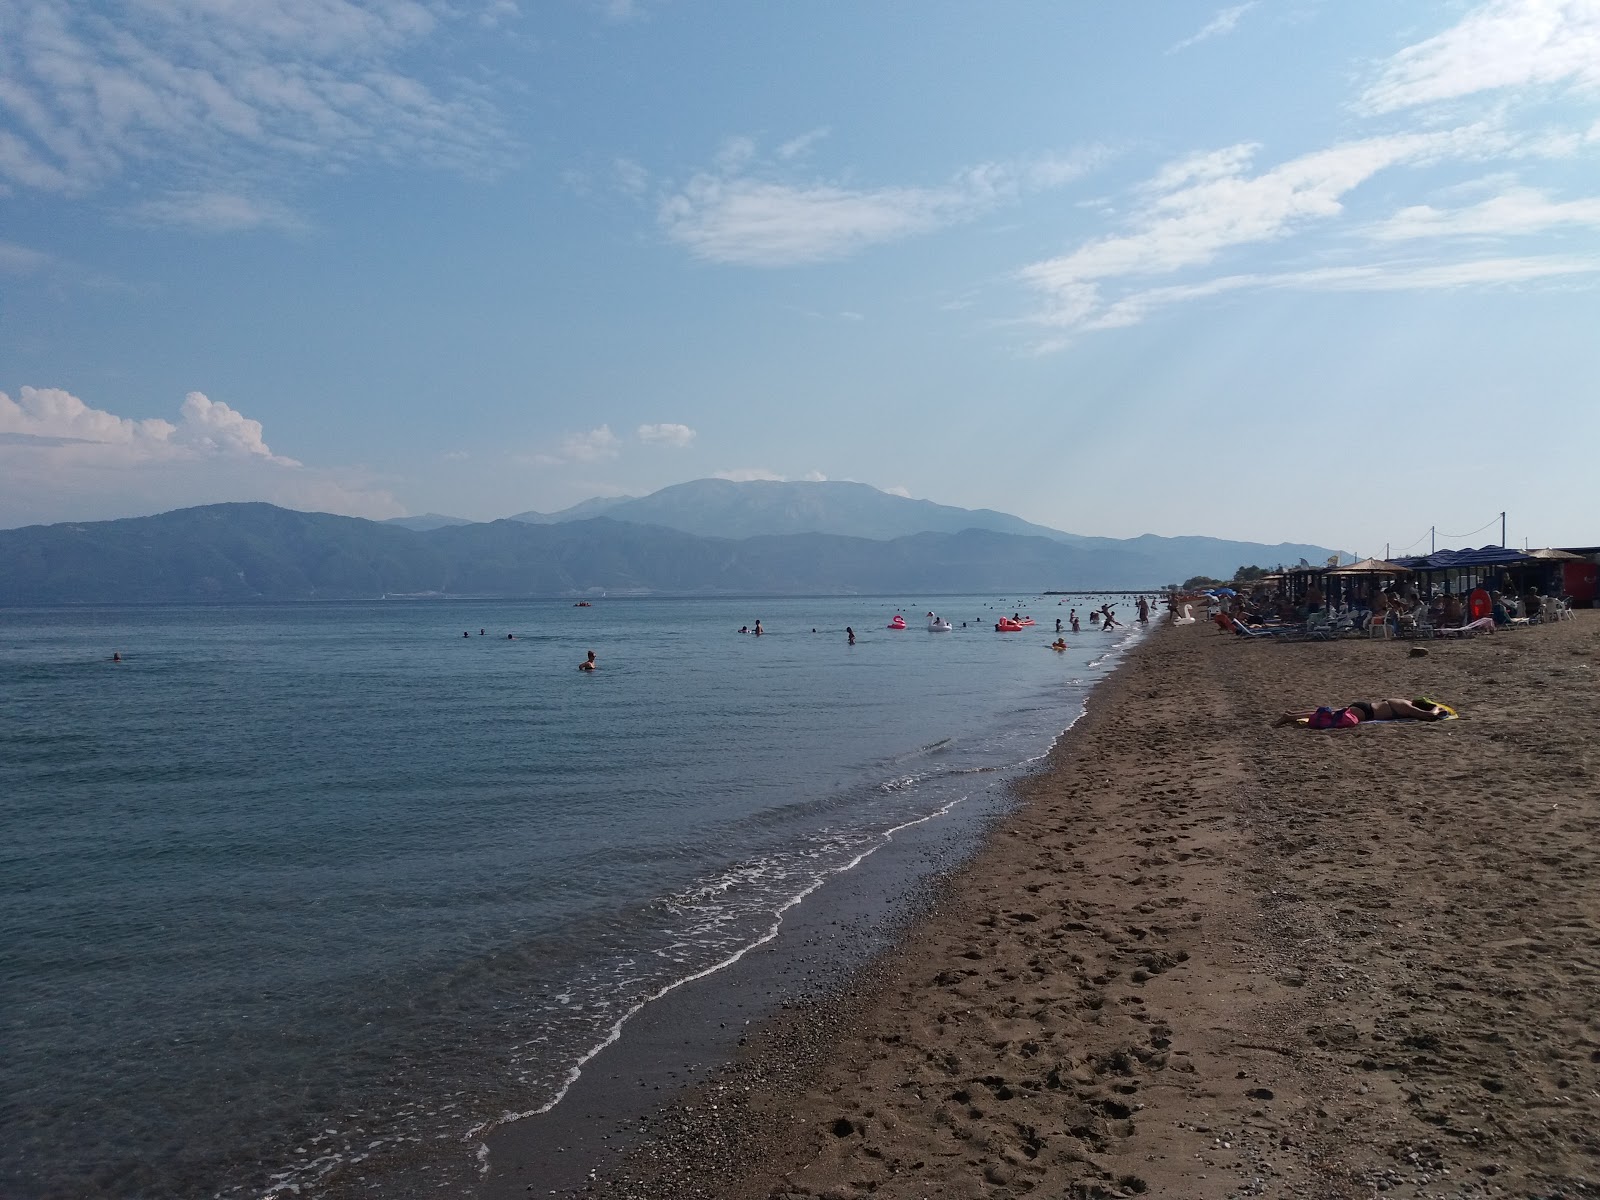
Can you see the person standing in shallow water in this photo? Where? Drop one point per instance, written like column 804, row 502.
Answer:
column 757, row 630
column 589, row 664
column 851, row 633
column 1144, row 611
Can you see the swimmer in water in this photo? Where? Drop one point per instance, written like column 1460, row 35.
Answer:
column 589, row 663
column 852, row 634
column 511, row 637
column 757, row 630
column 116, row 656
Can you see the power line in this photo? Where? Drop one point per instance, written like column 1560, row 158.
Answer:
column 1479, row 529
column 1403, row 549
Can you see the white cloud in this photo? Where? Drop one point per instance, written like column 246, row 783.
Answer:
column 798, row 147
column 593, row 446
column 217, row 212
column 630, row 176
column 737, row 215
column 1516, row 211
column 1203, row 205
column 51, row 417
column 205, row 89
column 61, row 459
column 20, row 260
column 666, row 434
column 1224, row 22
column 1502, row 44
column 1401, row 276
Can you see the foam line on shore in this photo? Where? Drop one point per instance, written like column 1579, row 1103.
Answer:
column 481, row 1131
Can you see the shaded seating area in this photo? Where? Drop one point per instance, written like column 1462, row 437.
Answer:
column 1450, row 594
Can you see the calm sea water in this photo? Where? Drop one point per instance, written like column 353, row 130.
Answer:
column 295, row 885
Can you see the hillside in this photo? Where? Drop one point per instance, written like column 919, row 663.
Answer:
column 240, row 552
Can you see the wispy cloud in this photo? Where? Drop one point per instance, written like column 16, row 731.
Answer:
column 1202, row 210
column 218, row 212
column 1225, row 22
column 591, row 446
column 197, row 90
column 1518, row 211
column 1201, row 206
column 20, row 260
column 1388, row 276
column 666, row 434
column 1499, row 45
column 746, row 213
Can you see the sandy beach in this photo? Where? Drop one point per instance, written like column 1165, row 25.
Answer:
column 1210, row 958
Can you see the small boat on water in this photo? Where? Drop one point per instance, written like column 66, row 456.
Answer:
column 899, row 622
column 937, row 624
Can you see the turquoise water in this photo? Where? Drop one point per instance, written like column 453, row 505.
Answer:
column 292, row 885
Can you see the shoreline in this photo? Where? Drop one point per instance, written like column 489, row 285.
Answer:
column 768, row 1011
column 1207, row 958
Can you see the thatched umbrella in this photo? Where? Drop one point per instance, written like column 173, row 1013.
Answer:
column 1371, row 566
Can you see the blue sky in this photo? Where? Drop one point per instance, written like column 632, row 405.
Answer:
column 1283, row 270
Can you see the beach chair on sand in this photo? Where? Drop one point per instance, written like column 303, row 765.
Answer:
column 1470, row 629
column 1241, row 628
column 1319, row 627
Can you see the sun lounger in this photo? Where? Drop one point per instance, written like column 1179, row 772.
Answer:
column 1241, row 628
column 1470, row 629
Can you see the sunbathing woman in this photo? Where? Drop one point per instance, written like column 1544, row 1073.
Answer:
column 1396, row 708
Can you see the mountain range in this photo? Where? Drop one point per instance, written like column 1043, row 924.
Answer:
column 709, row 536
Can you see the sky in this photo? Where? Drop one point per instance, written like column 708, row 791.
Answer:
column 1281, row 270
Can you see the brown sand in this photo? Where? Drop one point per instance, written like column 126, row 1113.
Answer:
column 1207, row 958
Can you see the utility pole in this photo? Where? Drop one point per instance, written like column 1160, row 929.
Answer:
column 1502, row 531
column 1431, row 547
column 1386, row 552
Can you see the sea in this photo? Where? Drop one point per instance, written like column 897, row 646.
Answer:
column 295, row 887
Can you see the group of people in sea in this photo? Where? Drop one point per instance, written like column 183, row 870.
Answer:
column 1102, row 616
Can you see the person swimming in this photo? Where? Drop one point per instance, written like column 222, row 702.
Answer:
column 757, row 629
column 589, row 664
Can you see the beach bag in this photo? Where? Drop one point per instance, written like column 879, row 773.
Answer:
column 1333, row 718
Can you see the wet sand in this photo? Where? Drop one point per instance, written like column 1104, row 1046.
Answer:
column 1209, row 958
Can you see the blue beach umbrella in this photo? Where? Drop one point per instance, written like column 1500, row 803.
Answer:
column 1226, row 592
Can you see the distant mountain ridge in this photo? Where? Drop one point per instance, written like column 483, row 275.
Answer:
column 425, row 522
column 243, row 552
column 728, row 509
